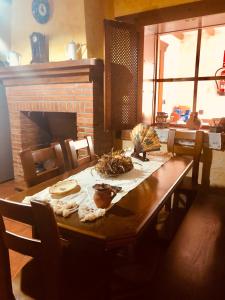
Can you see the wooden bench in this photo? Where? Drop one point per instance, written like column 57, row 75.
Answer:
column 194, row 265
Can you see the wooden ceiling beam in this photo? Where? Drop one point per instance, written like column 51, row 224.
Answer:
column 179, row 12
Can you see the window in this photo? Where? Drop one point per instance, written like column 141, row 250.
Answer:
column 185, row 77
column 176, row 100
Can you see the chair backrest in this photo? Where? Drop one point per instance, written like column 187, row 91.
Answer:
column 187, row 143
column 42, row 164
column 79, row 151
column 46, row 249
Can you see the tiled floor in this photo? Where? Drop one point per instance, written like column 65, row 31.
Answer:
column 16, row 260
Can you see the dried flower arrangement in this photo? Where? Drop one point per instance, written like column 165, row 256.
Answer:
column 114, row 163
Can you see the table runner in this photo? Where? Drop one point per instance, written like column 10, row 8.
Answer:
column 83, row 200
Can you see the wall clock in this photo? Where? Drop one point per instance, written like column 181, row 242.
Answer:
column 38, row 47
column 41, row 10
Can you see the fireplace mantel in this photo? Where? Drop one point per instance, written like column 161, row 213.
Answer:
column 57, row 87
column 85, row 70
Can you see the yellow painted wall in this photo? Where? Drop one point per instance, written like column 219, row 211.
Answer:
column 126, row 7
column 95, row 12
column 5, row 17
column 66, row 23
column 94, row 15
column 109, row 9
column 77, row 20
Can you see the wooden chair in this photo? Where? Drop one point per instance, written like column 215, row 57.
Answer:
column 42, row 164
column 79, row 151
column 58, row 269
column 40, row 277
column 188, row 143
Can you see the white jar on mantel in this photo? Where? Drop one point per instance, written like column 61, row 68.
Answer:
column 13, row 58
column 72, row 49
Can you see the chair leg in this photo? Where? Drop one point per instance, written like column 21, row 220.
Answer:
column 176, row 200
column 169, row 203
column 108, row 274
column 191, row 195
column 183, row 199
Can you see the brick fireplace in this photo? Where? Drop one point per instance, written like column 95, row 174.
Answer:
column 35, row 92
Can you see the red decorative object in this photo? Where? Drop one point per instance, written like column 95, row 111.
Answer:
column 220, row 84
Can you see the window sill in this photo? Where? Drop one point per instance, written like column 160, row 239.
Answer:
column 125, row 134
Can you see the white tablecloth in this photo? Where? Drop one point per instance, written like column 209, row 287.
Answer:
column 83, row 200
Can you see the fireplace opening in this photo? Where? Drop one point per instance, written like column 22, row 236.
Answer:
column 40, row 129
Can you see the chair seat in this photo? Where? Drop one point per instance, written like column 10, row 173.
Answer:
column 81, row 277
column 29, row 284
column 32, row 285
column 18, row 293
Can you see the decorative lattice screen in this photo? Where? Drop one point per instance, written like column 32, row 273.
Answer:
column 122, row 56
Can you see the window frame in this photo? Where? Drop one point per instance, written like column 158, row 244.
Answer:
column 195, row 79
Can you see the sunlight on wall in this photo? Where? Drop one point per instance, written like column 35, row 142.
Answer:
column 148, row 71
column 66, row 23
column 77, row 20
column 3, row 50
column 5, row 11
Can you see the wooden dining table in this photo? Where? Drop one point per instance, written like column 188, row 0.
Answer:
column 126, row 220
